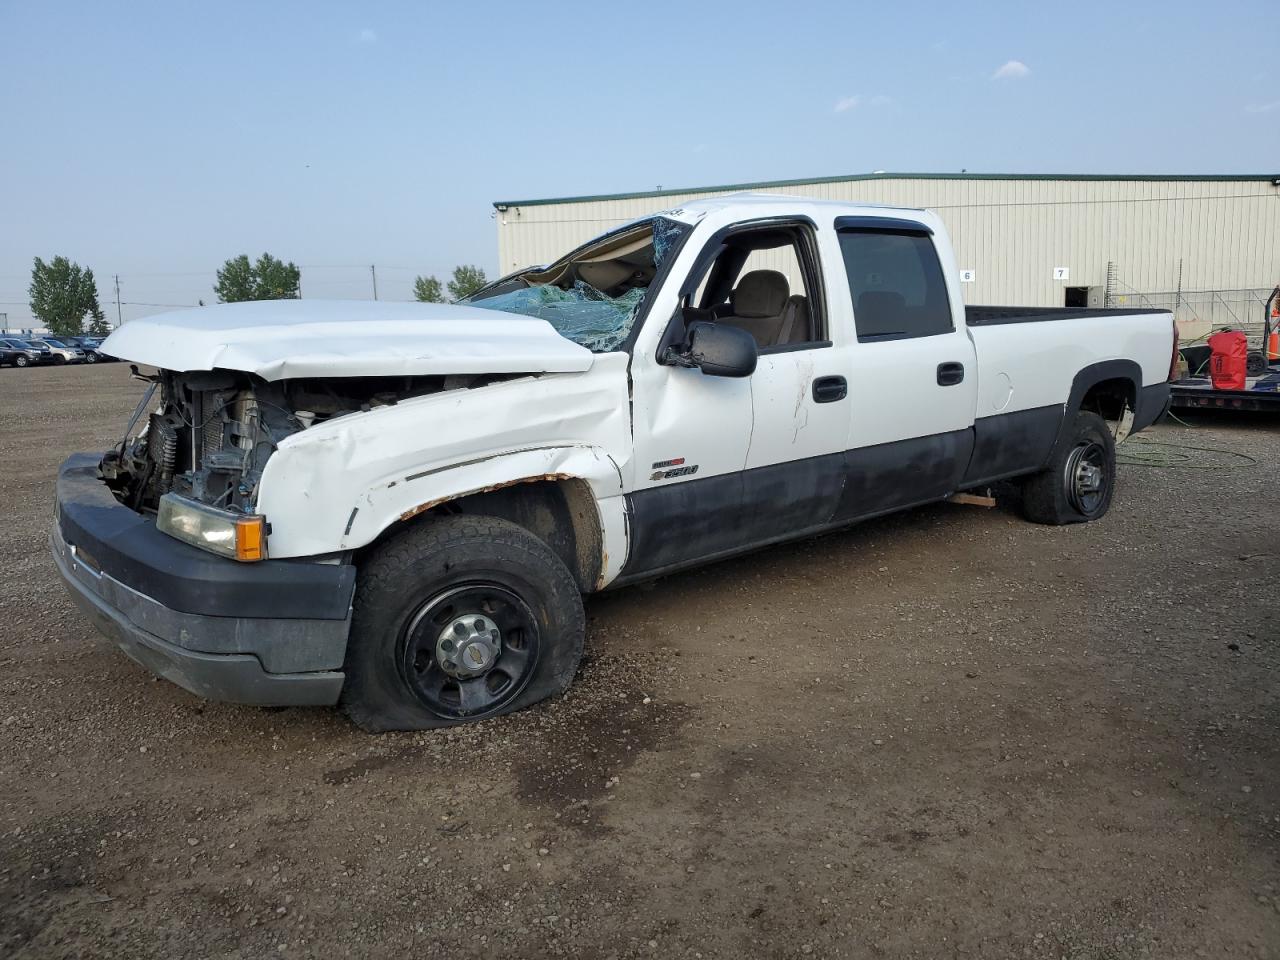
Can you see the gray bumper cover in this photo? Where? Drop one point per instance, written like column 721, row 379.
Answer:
column 220, row 658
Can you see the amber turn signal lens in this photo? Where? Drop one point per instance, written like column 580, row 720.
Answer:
column 249, row 539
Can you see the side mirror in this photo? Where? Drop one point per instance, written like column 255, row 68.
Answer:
column 719, row 350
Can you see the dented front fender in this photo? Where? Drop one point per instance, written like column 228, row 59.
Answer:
column 338, row 485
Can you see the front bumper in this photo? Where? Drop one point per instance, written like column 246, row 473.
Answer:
column 272, row 633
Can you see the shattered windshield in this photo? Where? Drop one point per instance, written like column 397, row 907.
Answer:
column 593, row 295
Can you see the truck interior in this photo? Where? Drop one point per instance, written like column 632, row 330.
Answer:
column 591, row 296
column 760, row 281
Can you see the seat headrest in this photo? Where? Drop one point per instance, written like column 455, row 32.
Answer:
column 760, row 293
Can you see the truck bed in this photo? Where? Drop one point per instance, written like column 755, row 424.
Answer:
column 982, row 316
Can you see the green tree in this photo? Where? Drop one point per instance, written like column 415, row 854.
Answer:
column 268, row 279
column 98, row 326
column 427, row 290
column 466, row 280
column 62, row 295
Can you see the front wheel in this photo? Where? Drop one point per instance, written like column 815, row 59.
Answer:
column 458, row 619
column 90, row 358
column 21, row 362
column 1078, row 484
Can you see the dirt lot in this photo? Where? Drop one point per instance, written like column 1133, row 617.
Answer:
column 948, row 733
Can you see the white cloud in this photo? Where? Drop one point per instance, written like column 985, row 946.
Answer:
column 1262, row 107
column 845, row 104
column 1011, row 71
column 367, row 35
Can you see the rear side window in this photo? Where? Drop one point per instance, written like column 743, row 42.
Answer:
column 896, row 283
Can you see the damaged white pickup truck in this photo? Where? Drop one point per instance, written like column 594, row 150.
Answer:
column 397, row 507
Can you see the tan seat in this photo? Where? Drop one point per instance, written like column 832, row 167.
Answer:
column 759, row 305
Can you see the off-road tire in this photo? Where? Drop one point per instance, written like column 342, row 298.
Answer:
column 1047, row 496
column 400, row 578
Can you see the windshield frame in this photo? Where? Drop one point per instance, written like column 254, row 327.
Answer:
column 662, row 273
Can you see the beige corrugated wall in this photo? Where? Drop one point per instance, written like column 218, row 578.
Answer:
column 1013, row 233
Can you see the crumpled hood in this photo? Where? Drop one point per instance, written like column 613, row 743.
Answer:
column 281, row 339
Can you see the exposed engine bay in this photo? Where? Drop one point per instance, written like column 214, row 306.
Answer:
column 211, row 433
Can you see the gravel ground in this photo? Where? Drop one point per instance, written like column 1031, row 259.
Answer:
column 948, row 733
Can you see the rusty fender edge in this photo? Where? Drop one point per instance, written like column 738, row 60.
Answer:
column 424, row 507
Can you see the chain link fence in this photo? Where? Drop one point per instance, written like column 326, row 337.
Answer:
column 1200, row 312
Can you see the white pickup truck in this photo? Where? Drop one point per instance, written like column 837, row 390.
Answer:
column 397, row 507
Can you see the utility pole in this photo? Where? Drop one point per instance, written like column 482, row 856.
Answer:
column 373, row 272
column 119, row 322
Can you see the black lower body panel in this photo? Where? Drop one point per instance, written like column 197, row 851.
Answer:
column 1153, row 403
column 1009, row 444
column 694, row 521
column 684, row 521
column 898, row 474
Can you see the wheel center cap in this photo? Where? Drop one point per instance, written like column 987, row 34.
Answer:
column 476, row 656
column 468, row 646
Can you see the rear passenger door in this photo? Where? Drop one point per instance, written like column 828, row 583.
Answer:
column 913, row 375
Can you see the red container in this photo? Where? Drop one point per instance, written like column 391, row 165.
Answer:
column 1229, row 360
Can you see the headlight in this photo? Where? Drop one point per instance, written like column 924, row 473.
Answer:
column 235, row 535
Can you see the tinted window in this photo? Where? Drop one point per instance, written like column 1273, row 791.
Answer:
column 896, row 283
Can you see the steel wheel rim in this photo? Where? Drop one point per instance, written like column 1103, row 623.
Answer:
column 481, row 673
column 1086, row 477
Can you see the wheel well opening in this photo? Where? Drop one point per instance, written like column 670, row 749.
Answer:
column 1109, row 398
column 560, row 511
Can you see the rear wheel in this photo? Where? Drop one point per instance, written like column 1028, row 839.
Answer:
column 459, row 619
column 1078, row 484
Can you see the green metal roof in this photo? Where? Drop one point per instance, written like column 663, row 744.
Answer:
column 766, row 184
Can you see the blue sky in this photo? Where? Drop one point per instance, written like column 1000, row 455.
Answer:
column 157, row 140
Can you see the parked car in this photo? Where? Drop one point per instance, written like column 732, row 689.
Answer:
column 92, row 347
column 8, row 355
column 397, row 507
column 62, row 352
column 25, row 353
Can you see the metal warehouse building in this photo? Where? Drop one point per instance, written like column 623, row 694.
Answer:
column 1207, row 247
